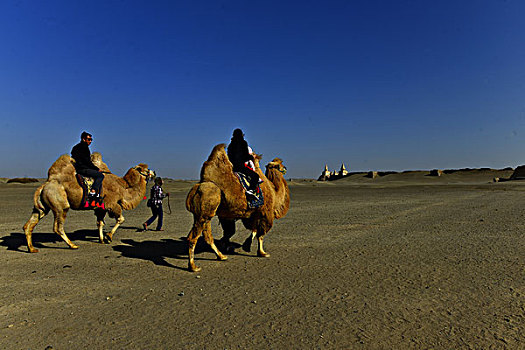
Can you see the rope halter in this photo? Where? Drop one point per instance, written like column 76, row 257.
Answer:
column 140, row 171
column 281, row 168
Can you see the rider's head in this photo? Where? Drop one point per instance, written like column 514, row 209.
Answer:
column 158, row 181
column 86, row 137
column 238, row 134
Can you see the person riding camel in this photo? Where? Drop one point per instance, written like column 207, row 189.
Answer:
column 85, row 167
column 239, row 155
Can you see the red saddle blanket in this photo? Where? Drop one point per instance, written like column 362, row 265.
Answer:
column 88, row 203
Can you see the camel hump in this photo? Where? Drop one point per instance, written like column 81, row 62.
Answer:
column 63, row 166
column 218, row 166
column 218, row 152
column 96, row 158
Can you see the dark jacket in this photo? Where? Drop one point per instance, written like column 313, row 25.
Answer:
column 82, row 156
column 238, row 153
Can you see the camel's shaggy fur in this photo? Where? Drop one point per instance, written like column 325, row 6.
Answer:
column 220, row 193
column 62, row 192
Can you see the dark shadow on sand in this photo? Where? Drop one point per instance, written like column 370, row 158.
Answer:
column 15, row 241
column 154, row 251
column 158, row 251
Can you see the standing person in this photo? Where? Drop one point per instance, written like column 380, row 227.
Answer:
column 156, row 197
column 239, row 154
column 85, row 167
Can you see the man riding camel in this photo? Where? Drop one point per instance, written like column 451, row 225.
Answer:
column 85, row 167
column 239, row 154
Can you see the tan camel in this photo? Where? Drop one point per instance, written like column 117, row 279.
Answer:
column 220, row 193
column 62, row 192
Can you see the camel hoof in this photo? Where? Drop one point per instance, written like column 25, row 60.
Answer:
column 222, row 257
column 74, row 246
column 108, row 239
column 33, row 250
column 263, row 255
column 194, row 268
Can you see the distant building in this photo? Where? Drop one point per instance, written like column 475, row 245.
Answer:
column 327, row 175
column 343, row 171
column 325, row 172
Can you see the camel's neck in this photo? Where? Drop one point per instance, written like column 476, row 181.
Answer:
column 134, row 192
column 282, row 192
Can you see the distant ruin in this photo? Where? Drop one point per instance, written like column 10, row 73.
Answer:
column 519, row 173
column 327, row 175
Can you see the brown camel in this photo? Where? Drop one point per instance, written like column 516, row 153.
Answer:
column 62, row 192
column 220, row 193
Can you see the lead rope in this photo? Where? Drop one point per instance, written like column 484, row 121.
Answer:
column 146, row 194
column 169, row 206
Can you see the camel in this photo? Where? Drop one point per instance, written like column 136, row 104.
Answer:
column 62, row 192
column 220, row 193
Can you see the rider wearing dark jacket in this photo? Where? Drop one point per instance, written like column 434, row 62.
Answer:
column 83, row 164
column 82, row 156
column 238, row 154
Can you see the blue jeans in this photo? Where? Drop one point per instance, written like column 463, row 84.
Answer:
column 97, row 177
column 156, row 211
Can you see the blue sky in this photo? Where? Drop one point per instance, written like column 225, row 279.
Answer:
column 378, row 85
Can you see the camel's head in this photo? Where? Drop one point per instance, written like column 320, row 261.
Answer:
column 276, row 163
column 145, row 171
column 257, row 158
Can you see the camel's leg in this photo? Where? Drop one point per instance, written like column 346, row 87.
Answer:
column 247, row 245
column 100, row 214
column 260, row 237
column 228, row 228
column 203, row 201
column 36, row 216
column 119, row 220
column 100, row 226
column 193, row 237
column 209, row 239
column 58, row 227
column 260, row 250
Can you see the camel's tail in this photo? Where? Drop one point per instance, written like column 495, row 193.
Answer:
column 203, row 199
column 38, row 205
column 189, row 198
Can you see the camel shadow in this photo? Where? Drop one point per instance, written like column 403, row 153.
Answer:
column 16, row 240
column 155, row 251
column 158, row 251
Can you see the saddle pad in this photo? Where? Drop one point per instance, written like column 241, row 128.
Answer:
column 253, row 201
column 86, row 183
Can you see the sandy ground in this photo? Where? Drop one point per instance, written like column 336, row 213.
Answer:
column 403, row 261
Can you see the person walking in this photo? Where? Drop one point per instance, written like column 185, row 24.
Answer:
column 155, row 203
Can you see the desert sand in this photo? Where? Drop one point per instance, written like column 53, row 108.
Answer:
column 401, row 261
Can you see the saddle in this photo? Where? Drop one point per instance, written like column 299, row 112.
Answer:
column 87, row 203
column 253, row 201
